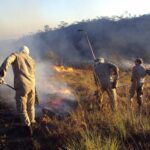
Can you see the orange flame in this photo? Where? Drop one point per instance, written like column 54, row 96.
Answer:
column 65, row 91
column 63, row 69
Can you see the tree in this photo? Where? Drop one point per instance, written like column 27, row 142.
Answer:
column 62, row 24
column 47, row 28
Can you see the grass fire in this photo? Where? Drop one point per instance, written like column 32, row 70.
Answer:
column 74, row 79
column 63, row 69
column 89, row 108
column 84, row 126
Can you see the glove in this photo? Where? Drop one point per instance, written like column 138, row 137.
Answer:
column 1, row 80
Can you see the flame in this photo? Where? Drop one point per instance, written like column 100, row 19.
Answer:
column 65, row 91
column 63, row 69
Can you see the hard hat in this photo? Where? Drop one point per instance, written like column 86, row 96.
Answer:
column 24, row 49
column 139, row 60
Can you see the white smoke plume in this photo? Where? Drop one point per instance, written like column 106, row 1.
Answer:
column 45, row 85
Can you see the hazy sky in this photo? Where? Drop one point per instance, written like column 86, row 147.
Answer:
column 20, row 17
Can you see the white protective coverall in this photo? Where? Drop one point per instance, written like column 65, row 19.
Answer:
column 24, row 83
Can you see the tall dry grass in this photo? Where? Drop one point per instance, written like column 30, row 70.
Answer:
column 88, row 128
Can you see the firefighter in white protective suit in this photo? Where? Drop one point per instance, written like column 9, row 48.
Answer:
column 24, row 83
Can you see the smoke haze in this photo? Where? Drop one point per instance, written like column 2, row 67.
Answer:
column 46, row 84
column 119, row 41
column 126, row 38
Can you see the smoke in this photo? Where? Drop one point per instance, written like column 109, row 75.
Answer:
column 46, row 84
column 54, row 94
column 117, row 41
column 127, row 38
column 7, row 94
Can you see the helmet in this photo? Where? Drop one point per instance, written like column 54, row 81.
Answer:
column 139, row 60
column 24, row 49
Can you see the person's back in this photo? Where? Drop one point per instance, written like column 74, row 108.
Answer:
column 138, row 74
column 23, row 67
column 137, row 82
column 24, row 71
column 104, row 73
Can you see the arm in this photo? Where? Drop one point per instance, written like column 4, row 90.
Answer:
column 6, row 64
column 115, row 72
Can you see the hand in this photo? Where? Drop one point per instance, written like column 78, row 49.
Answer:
column 1, row 80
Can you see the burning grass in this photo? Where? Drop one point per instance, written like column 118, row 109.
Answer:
column 63, row 69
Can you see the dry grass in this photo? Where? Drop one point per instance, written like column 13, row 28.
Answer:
column 89, row 128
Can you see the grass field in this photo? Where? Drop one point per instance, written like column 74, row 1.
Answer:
column 88, row 128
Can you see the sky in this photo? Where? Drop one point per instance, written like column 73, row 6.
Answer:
column 22, row 17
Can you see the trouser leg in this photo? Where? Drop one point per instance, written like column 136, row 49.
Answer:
column 115, row 98
column 21, row 104
column 112, row 98
column 132, row 93
column 99, row 97
column 139, row 97
column 31, row 106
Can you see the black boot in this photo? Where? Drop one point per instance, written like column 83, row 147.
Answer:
column 27, row 131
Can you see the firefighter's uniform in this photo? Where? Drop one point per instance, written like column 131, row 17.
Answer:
column 24, row 83
column 104, row 73
column 137, row 82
